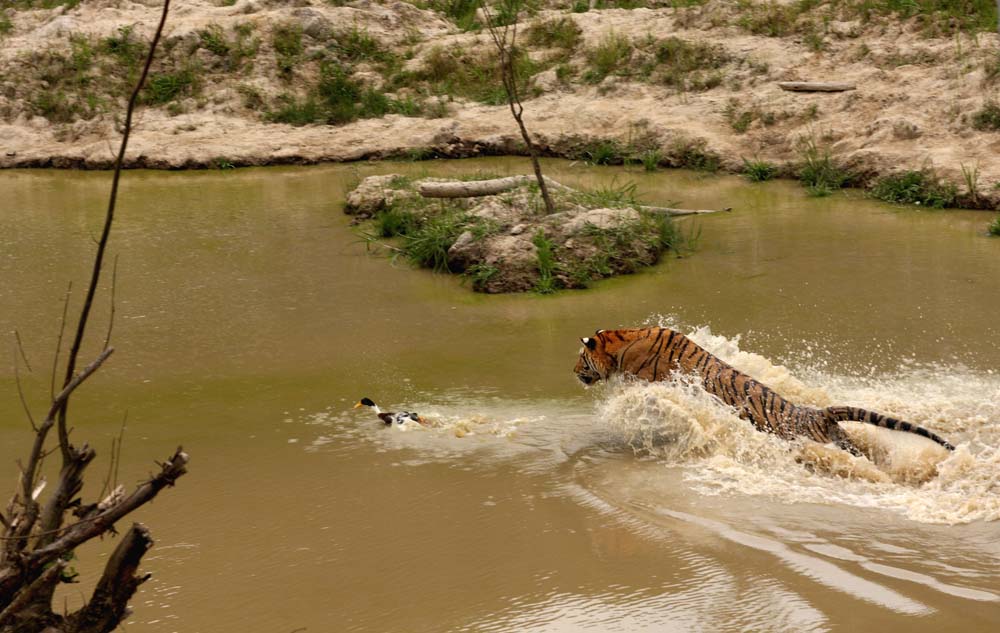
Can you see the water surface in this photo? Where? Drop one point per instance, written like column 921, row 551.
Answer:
column 250, row 318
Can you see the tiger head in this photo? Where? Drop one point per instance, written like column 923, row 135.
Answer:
column 595, row 362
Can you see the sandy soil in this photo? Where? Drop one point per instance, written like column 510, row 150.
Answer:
column 911, row 109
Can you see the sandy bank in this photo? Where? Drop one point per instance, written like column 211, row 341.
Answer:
column 913, row 109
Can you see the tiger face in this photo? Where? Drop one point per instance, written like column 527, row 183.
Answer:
column 594, row 363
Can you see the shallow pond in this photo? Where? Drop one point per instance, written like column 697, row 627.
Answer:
column 250, row 318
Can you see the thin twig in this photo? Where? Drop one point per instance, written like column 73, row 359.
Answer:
column 116, row 449
column 111, row 318
column 118, row 458
column 62, row 330
column 20, row 346
column 20, row 393
column 105, row 234
column 37, row 450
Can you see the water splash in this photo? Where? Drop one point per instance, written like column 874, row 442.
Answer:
column 680, row 424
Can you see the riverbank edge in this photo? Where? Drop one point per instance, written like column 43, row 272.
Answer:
column 863, row 177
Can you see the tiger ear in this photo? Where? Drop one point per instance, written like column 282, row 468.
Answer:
column 598, row 332
column 589, row 343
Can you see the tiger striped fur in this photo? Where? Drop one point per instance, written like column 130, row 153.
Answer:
column 653, row 353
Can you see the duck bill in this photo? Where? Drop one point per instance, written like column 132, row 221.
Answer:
column 358, row 405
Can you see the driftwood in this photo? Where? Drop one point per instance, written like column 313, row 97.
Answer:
column 677, row 212
column 39, row 536
column 476, row 188
column 815, row 86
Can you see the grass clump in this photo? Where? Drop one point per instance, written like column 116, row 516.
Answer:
column 604, row 152
column 427, row 245
column 936, row 17
column 286, row 40
column 759, row 170
column 163, row 87
column 651, row 159
column 426, row 231
column 612, row 55
column 461, row 12
column 611, row 196
column 336, row 99
column 625, row 248
column 359, row 45
column 471, row 75
column 233, row 52
column 481, row 273
column 987, row 118
column 915, row 187
column 6, row 26
column 686, row 65
column 394, row 221
column 125, row 48
column 545, row 252
column 692, row 154
column 555, row 33
column 994, row 227
column 818, row 172
column 769, row 18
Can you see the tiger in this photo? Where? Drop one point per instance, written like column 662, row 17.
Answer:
column 653, row 353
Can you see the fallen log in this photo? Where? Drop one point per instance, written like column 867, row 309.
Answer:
column 815, row 86
column 477, row 188
column 676, row 212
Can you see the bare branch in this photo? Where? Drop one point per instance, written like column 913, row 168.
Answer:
column 37, row 451
column 108, row 605
column 20, row 393
column 82, row 531
column 111, row 318
column 505, row 40
column 47, row 580
column 106, row 232
column 62, row 330
column 20, row 346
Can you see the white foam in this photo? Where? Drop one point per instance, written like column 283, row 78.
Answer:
column 680, row 423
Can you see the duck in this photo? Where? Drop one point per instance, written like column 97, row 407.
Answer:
column 391, row 417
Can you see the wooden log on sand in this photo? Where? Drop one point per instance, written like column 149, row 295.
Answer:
column 815, row 86
column 477, row 188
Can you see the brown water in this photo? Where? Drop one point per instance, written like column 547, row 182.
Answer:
column 250, row 318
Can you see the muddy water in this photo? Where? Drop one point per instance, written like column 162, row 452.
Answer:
column 250, row 318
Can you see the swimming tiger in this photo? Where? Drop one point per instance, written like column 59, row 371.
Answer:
column 652, row 353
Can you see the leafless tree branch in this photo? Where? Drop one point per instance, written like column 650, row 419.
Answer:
column 62, row 330
column 505, row 41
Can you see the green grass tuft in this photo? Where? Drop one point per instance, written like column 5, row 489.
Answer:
column 651, row 159
column 915, row 187
column 545, row 252
column 994, row 227
column 759, row 170
column 555, row 33
column 164, row 87
column 818, row 172
column 611, row 55
column 987, row 119
column 428, row 245
column 286, row 39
